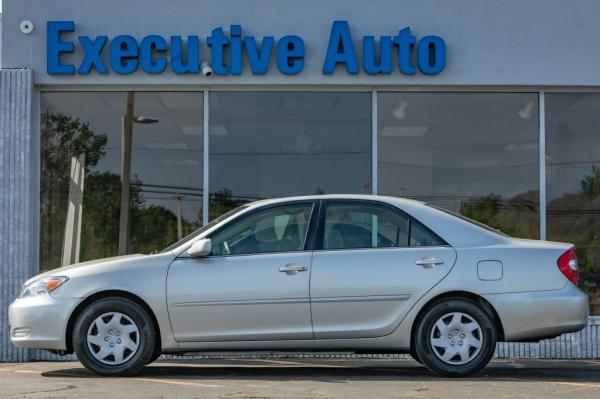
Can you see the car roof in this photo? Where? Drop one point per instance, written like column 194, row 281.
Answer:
column 372, row 197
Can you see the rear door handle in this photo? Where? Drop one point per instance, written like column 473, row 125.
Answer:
column 429, row 261
column 292, row 268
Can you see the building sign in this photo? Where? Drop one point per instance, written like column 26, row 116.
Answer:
column 154, row 54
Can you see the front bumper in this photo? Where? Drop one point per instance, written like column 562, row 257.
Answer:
column 541, row 314
column 40, row 321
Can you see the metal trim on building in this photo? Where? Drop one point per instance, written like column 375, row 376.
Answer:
column 17, row 216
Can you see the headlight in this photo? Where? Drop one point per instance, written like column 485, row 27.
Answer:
column 43, row 285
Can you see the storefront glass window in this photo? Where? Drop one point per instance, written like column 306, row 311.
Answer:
column 573, row 181
column 84, row 151
column 472, row 153
column 273, row 144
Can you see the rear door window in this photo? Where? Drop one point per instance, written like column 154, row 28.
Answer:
column 356, row 225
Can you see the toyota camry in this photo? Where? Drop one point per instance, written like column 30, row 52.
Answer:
column 319, row 273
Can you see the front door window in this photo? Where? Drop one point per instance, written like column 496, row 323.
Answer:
column 278, row 229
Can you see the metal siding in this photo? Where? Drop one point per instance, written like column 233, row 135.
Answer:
column 16, row 213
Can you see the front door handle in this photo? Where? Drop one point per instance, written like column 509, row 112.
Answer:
column 429, row 262
column 292, row 268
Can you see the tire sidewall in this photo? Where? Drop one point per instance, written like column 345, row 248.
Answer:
column 147, row 336
column 425, row 350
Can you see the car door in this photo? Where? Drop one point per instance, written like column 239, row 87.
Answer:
column 372, row 263
column 254, row 285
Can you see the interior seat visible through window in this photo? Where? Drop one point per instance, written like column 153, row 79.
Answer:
column 364, row 225
column 277, row 229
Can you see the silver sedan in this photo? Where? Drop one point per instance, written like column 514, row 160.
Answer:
column 331, row 272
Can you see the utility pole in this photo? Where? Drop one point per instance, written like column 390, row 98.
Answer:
column 178, row 197
column 126, row 138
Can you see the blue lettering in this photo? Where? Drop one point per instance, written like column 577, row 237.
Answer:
column 154, row 54
column 340, row 49
column 193, row 55
column 290, row 55
column 432, row 55
column 236, row 49
column 259, row 60
column 55, row 47
column 92, row 55
column 370, row 57
column 217, row 42
column 405, row 42
column 124, row 54
column 150, row 45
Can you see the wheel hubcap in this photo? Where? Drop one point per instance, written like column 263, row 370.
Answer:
column 456, row 338
column 113, row 338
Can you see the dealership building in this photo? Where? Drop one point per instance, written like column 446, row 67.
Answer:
column 127, row 124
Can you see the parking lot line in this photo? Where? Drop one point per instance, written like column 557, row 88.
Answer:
column 573, row 384
column 172, row 382
column 577, row 384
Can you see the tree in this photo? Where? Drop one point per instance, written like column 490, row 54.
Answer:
column 223, row 201
column 62, row 137
column 591, row 183
column 152, row 227
column 481, row 209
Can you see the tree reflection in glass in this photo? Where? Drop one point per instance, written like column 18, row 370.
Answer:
column 164, row 182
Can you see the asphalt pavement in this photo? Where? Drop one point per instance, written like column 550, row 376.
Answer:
column 291, row 378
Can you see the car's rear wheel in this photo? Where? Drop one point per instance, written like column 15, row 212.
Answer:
column 114, row 336
column 455, row 338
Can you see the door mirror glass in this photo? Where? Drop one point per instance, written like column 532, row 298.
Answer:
column 200, row 248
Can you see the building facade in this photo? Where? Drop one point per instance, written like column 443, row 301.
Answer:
column 125, row 125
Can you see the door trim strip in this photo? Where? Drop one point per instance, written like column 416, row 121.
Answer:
column 242, row 302
column 367, row 298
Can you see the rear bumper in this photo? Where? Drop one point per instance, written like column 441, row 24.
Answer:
column 40, row 321
column 541, row 314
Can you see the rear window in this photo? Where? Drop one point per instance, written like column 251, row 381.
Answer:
column 472, row 221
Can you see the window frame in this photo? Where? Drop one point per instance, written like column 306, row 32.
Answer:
column 312, row 225
column 320, row 233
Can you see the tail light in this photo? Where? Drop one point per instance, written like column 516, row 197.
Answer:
column 567, row 264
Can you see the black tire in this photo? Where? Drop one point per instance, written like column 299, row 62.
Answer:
column 427, row 353
column 414, row 354
column 154, row 357
column 146, row 338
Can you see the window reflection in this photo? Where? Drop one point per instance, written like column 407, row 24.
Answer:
column 279, row 229
column 83, row 155
column 573, row 181
column 473, row 153
column 273, row 144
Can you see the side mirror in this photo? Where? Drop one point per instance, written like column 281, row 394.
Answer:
column 200, row 248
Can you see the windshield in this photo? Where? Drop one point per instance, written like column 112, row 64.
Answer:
column 202, row 229
column 466, row 219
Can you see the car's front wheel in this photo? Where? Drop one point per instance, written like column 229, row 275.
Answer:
column 114, row 336
column 455, row 338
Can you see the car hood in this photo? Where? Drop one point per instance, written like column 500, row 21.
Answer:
column 66, row 270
